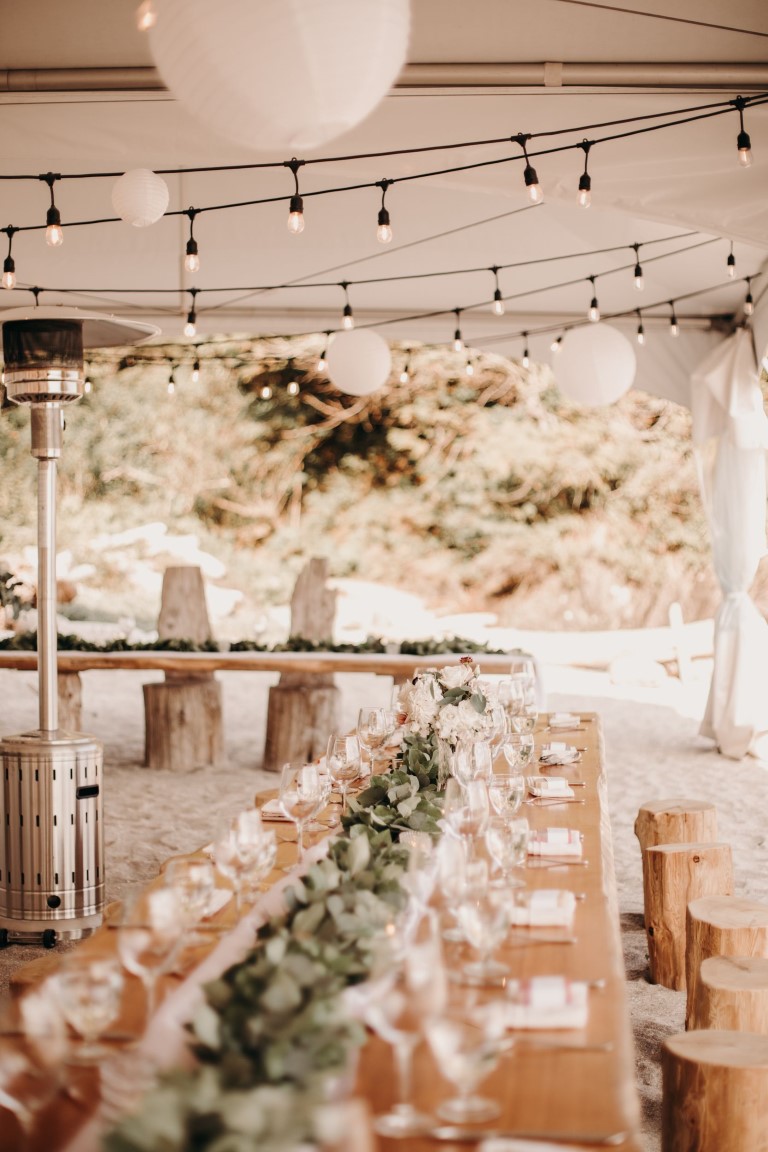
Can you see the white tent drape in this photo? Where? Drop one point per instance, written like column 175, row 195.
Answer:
column 730, row 432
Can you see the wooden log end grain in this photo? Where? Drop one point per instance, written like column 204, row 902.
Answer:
column 715, row 1084
column 732, row 994
column 721, row 926
column 300, row 718
column 676, row 820
column 183, row 725
column 673, row 875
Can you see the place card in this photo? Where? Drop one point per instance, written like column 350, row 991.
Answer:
column 543, row 908
column 272, row 811
column 546, row 1002
column 554, row 842
column 564, row 720
column 557, row 752
column 549, row 786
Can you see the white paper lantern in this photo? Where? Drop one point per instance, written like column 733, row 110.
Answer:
column 280, row 75
column 140, row 197
column 359, row 362
column 596, row 365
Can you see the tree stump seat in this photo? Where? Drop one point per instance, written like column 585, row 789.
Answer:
column 673, row 875
column 732, row 994
column 721, row 926
column 676, row 820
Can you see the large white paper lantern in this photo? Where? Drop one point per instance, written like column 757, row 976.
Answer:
column 359, row 362
column 280, row 75
column 596, row 365
column 140, row 197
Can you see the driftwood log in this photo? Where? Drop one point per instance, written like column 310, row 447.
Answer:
column 732, row 993
column 303, row 710
column 70, row 693
column 183, row 714
column 673, row 875
column 715, row 1084
column 721, row 926
column 676, row 820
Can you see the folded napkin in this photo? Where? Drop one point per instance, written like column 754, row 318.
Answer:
column 549, row 786
column 557, row 752
column 543, row 908
column 272, row 811
column 564, row 720
column 546, row 1002
column 554, row 842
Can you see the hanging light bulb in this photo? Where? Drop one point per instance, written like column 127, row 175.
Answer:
column 405, row 375
column 196, row 371
column 322, row 363
column 469, row 368
column 384, row 228
column 266, row 392
column 146, row 17
column 638, row 273
column 730, row 264
column 347, row 316
column 535, row 194
column 749, row 304
column 458, row 341
column 640, row 328
column 557, row 345
column 293, row 388
column 584, row 198
column 743, row 142
column 498, row 299
column 54, row 235
column 172, row 382
column 9, row 265
column 295, row 222
column 87, row 385
column 594, row 309
column 526, row 355
column 190, row 328
column 192, row 258
column 674, row 327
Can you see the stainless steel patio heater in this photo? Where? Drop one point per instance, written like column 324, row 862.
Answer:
column 51, row 827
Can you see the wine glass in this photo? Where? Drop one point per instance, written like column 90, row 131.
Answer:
column 374, row 728
column 484, row 917
column 455, row 872
column 89, row 992
column 261, row 864
column 238, row 845
column 302, row 795
column 472, row 760
column 466, row 810
column 343, row 763
column 507, row 842
column 518, row 749
column 466, row 1047
column 149, row 937
column 506, row 791
column 193, row 878
column 33, row 1048
column 495, row 726
column 421, row 875
column 525, row 721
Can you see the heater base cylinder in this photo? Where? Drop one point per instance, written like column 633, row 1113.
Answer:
column 51, row 834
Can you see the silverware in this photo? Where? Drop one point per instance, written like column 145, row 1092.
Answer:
column 539, row 938
column 563, row 728
column 463, row 1135
column 562, row 862
column 548, row 801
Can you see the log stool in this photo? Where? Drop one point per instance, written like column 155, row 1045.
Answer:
column 183, row 714
column 715, row 1084
column 674, row 874
column 676, row 821
column 70, row 697
column 721, row 926
column 303, row 709
column 732, row 993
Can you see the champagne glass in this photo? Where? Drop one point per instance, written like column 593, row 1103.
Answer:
column 374, row 728
column 302, row 795
column 466, row 810
column 89, row 991
column 237, row 846
column 466, row 1048
column 484, row 918
column 472, row 760
column 495, row 726
column 518, row 749
column 262, row 864
column 506, row 791
column 193, row 878
column 395, row 1013
column 149, row 937
column 343, row 763
column 507, row 843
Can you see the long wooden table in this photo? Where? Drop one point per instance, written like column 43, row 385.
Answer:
column 542, row 1089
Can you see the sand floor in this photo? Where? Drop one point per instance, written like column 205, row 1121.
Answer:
column 652, row 751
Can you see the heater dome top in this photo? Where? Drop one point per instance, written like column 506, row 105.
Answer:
column 100, row 330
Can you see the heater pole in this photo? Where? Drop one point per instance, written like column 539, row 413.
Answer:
column 46, row 595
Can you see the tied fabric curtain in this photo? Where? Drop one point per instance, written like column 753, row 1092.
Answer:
column 730, row 434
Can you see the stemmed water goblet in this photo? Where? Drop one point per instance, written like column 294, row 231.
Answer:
column 472, row 760
column 89, row 992
column 507, row 843
column 374, row 728
column 506, row 791
column 466, row 810
column 518, row 749
column 484, row 918
column 238, row 847
column 302, row 795
column 149, row 938
column 343, row 763
column 33, row 1048
column 466, row 1046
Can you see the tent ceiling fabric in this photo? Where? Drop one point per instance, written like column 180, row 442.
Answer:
column 647, row 188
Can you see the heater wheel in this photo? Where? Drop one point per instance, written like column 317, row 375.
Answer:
column 49, row 938
column 4, row 941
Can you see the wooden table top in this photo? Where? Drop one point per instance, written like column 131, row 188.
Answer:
column 541, row 1089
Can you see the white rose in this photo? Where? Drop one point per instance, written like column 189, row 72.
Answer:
column 456, row 675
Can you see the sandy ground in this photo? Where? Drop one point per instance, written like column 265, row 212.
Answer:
column 652, row 750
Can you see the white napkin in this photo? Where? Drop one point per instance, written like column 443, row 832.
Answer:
column 557, row 752
column 272, row 811
column 546, row 1002
column 554, row 842
column 543, row 908
column 549, row 786
column 564, row 720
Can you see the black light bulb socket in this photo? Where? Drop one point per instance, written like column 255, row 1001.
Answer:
column 457, row 336
column 9, row 264
column 347, row 310
column 529, row 175
column 497, row 294
column 640, row 330
column 593, row 302
column 191, row 316
column 191, row 246
column 297, row 204
column 383, row 218
column 743, row 142
column 53, row 217
column 731, row 261
column 638, row 272
column 585, row 182
column 748, row 301
column 196, row 366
